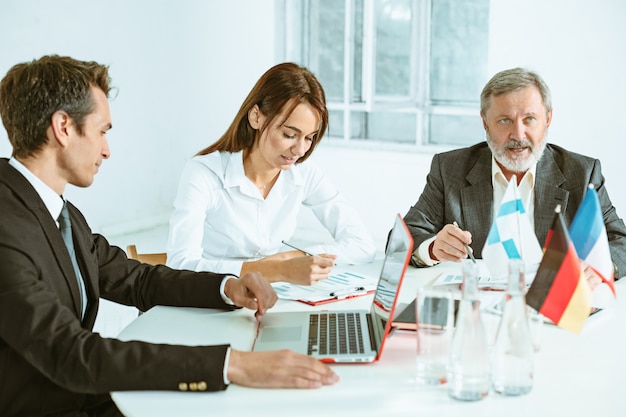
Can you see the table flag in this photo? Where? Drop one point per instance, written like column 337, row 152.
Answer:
column 560, row 290
column 511, row 235
column 588, row 234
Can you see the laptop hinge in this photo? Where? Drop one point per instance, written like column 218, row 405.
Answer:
column 370, row 328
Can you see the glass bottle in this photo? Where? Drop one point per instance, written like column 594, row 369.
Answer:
column 468, row 367
column 512, row 360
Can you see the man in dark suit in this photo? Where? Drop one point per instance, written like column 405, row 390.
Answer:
column 467, row 185
column 56, row 113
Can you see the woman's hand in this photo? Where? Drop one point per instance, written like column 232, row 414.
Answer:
column 307, row 270
column 293, row 266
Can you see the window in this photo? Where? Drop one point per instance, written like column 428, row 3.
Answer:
column 395, row 71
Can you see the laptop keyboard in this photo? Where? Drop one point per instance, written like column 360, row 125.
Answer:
column 335, row 333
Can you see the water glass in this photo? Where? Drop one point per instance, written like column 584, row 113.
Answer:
column 435, row 325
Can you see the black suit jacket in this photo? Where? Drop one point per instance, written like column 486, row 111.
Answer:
column 49, row 359
column 459, row 188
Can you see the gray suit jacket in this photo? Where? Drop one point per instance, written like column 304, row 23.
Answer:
column 458, row 188
column 50, row 361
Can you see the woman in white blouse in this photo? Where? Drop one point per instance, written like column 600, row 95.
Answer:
column 239, row 198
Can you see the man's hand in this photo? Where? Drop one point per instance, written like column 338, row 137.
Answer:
column 278, row 369
column 251, row 291
column 592, row 278
column 449, row 245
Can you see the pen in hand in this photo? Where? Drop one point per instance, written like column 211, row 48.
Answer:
column 293, row 247
column 469, row 251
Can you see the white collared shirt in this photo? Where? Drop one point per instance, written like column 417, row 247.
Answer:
column 221, row 220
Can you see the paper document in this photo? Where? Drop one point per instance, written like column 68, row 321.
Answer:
column 484, row 282
column 338, row 286
column 448, row 279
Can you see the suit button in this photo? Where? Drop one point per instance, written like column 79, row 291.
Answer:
column 182, row 386
column 193, row 386
column 202, row 386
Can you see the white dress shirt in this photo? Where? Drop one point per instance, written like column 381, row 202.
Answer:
column 221, row 220
column 499, row 182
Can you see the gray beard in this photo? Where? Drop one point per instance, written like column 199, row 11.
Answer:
column 515, row 164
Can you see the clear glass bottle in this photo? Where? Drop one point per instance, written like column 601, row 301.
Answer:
column 468, row 367
column 512, row 357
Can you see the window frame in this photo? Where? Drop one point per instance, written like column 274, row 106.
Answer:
column 296, row 47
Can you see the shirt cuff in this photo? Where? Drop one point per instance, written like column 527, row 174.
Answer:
column 222, row 286
column 226, row 359
column 421, row 254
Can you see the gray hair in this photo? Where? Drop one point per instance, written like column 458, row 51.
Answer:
column 511, row 80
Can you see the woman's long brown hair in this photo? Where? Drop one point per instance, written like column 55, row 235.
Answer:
column 282, row 87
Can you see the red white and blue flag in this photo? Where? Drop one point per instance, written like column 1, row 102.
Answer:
column 588, row 234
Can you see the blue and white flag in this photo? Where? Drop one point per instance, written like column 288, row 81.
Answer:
column 511, row 237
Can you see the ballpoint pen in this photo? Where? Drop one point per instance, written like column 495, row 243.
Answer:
column 346, row 292
column 301, row 250
column 469, row 251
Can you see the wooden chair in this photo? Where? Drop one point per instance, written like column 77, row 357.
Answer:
column 147, row 258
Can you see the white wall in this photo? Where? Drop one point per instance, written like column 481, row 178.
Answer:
column 183, row 67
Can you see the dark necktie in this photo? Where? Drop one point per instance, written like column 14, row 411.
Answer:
column 66, row 232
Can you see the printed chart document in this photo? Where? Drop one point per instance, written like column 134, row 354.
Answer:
column 484, row 282
column 492, row 289
column 338, row 286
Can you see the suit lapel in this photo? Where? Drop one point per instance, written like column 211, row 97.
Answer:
column 27, row 194
column 477, row 201
column 548, row 194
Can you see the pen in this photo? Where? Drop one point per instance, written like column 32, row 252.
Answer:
column 301, row 250
column 471, row 255
column 346, row 292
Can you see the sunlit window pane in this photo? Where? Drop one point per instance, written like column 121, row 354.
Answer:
column 327, row 46
column 455, row 130
column 358, row 125
column 384, row 126
column 393, row 47
column 335, row 123
column 393, row 127
column 458, row 61
column 357, row 86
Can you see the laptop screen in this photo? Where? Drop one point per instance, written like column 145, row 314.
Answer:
column 397, row 256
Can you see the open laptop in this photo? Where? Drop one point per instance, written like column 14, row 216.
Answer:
column 344, row 336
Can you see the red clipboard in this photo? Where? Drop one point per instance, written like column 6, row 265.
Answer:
column 347, row 283
column 333, row 299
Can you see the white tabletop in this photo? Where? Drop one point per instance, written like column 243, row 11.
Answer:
column 575, row 375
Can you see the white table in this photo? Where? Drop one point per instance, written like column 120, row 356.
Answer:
column 575, row 375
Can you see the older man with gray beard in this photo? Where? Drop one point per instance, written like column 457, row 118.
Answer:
column 466, row 185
